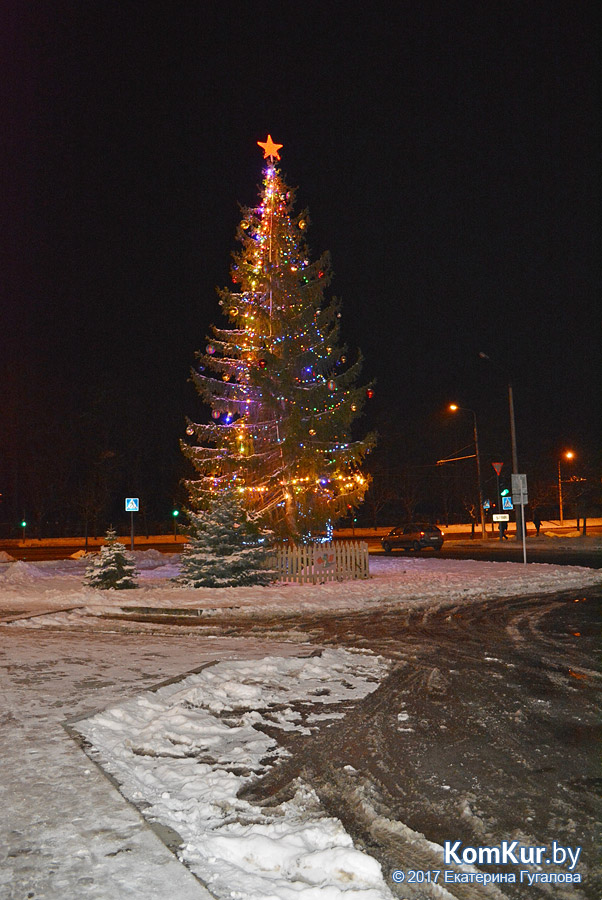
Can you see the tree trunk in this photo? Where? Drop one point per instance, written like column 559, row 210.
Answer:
column 290, row 518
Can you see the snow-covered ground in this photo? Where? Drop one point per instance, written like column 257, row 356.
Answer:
column 400, row 581
column 187, row 750
column 183, row 752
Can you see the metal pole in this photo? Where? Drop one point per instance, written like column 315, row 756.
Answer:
column 499, row 497
column 522, row 508
column 476, row 448
column 520, row 511
column 560, row 494
column 512, row 429
column 132, row 530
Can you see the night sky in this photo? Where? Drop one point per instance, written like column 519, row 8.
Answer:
column 448, row 154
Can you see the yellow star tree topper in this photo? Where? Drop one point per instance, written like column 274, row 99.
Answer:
column 270, row 149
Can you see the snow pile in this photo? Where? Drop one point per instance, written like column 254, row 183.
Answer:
column 6, row 557
column 150, row 559
column 184, row 752
column 21, row 573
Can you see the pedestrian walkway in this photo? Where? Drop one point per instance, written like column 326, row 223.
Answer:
column 66, row 833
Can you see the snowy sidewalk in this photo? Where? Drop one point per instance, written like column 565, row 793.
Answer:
column 66, row 833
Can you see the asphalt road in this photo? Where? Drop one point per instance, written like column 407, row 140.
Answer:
column 40, row 552
column 510, row 551
column 542, row 550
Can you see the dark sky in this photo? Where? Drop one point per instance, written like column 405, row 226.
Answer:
column 448, row 154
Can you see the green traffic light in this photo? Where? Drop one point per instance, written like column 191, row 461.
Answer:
column 175, row 512
column 505, row 492
column 23, row 523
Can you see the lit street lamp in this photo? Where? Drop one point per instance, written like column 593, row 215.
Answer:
column 175, row 513
column 568, row 454
column 454, row 408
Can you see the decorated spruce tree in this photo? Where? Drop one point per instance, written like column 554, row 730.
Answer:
column 226, row 548
column 113, row 567
column 282, row 390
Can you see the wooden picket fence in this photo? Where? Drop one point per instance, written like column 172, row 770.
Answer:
column 317, row 563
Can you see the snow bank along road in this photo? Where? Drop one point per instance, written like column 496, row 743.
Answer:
column 278, row 765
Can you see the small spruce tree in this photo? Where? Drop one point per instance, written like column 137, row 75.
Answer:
column 113, row 567
column 227, row 548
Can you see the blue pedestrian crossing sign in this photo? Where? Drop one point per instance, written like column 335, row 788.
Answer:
column 486, row 504
column 132, row 504
column 507, row 503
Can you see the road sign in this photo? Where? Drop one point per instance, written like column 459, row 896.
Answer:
column 486, row 504
column 132, row 504
column 519, row 490
column 498, row 468
column 507, row 503
column 501, row 517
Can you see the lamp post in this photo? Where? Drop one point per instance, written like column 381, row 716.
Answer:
column 454, row 408
column 568, row 454
column 175, row 513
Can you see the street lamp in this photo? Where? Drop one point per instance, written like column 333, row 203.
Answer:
column 175, row 513
column 453, row 407
column 568, row 454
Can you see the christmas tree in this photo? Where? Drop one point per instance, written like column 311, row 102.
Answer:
column 282, row 392
column 113, row 567
column 227, row 549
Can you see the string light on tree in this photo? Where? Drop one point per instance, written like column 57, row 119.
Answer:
column 282, row 425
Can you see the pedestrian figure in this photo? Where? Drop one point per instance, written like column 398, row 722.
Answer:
column 503, row 526
column 536, row 521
